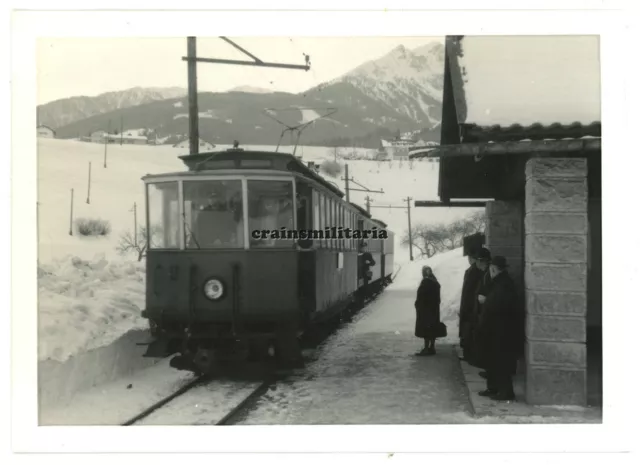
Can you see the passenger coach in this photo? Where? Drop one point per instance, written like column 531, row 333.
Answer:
column 214, row 290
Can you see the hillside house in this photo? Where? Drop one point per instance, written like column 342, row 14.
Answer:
column 521, row 126
column 126, row 137
column 45, row 131
column 204, row 146
column 98, row 136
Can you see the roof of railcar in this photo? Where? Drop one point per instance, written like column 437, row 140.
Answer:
column 279, row 162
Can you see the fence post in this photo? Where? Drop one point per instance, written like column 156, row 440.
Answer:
column 89, row 185
column 71, row 216
column 135, row 225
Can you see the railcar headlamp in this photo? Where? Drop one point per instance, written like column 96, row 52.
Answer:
column 213, row 289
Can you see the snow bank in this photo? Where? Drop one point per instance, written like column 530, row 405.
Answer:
column 88, row 325
column 83, row 305
column 60, row 382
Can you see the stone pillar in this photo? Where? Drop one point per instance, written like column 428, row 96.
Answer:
column 504, row 235
column 556, row 280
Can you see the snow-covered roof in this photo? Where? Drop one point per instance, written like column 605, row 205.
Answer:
column 525, row 80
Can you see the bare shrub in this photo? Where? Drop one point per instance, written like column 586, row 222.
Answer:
column 138, row 245
column 93, row 227
column 331, row 168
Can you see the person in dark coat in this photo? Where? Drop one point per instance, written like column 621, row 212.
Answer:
column 483, row 257
column 428, row 311
column 472, row 277
column 499, row 332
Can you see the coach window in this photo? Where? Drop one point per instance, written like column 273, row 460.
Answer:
column 163, row 228
column 270, row 213
column 332, row 221
column 322, row 217
column 213, row 214
column 316, row 211
column 303, row 201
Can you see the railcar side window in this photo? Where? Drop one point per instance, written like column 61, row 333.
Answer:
column 163, row 230
column 270, row 209
column 213, row 215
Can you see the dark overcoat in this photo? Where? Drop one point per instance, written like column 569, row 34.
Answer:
column 468, row 299
column 427, row 309
column 500, row 327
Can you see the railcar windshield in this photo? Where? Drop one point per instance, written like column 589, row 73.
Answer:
column 213, row 214
column 163, row 227
column 270, row 209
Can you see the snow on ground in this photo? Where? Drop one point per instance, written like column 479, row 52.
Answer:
column 118, row 401
column 84, row 305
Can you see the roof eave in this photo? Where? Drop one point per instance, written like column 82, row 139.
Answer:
column 480, row 149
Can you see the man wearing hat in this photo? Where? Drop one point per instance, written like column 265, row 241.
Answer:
column 483, row 258
column 472, row 277
column 498, row 332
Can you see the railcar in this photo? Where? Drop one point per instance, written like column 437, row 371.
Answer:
column 226, row 276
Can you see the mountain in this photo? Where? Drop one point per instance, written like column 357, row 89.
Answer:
column 410, row 81
column 65, row 111
column 401, row 91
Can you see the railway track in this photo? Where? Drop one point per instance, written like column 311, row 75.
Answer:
column 237, row 412
column 243, row 406
column 161, row 403
column 232, row 415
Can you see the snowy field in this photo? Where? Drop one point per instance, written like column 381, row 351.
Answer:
column 89, row 294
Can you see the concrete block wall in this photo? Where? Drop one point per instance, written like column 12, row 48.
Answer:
column 555, row 280
column 504, row 235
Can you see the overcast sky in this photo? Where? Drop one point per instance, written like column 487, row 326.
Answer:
column 71, row 66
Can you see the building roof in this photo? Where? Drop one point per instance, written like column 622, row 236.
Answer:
column 515, row 87
column 512, row 97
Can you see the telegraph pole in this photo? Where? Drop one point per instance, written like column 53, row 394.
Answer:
column 106, row 142
column 409, row 199
column 192, row 60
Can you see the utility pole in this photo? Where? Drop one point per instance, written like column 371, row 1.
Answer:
column 121, row 127
column 192, row 61
column 346, row 180
column 192, row 80
column 408, row 207
column 409, row 199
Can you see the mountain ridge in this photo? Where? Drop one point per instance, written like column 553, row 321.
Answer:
column 399, row 91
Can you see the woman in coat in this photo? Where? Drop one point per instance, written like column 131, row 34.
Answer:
column 428, row 311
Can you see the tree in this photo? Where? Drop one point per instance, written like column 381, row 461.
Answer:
column 431, row 239
column 130, row 244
